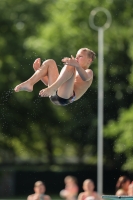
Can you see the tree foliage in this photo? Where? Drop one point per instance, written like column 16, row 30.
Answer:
column 33, row 128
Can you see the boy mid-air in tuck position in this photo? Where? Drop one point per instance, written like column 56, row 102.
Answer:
column 68, row 86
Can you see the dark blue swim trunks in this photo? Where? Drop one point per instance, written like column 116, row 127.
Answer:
column 61, row 101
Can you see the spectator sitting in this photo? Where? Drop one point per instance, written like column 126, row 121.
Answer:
column 122, row 186
column 89, row 193
column 71, row 188
column 39, row 189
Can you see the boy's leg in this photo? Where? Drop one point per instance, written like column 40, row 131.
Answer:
column 64, row 84
column 36, row 66
column 66, row 89
column 48, row 68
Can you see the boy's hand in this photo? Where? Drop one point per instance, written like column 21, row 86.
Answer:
column 70, row 61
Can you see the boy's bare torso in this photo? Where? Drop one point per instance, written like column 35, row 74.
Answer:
column 80, row 86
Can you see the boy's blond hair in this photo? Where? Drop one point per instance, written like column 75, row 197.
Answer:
column 91, row 54
column 72, row 178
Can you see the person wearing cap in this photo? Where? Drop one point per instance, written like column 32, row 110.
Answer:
column 39, row 189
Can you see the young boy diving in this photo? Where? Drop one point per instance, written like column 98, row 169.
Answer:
column 68, row 86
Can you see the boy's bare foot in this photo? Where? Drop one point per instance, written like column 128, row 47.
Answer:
column 25, row 86
column 37, row 64
column 49, row 91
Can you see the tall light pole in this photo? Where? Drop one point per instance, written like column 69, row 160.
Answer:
column 100, row 30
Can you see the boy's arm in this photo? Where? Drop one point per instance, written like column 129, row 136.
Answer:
column 86, row 75
column 47, row 197
column 29, row 197
column 80, row 196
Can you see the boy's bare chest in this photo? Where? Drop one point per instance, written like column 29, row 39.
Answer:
column 79, row 81
column 80, row 84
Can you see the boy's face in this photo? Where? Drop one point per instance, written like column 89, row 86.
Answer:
column 88, row 186
column 83, row 58
column 68, row 181
column 39, row 189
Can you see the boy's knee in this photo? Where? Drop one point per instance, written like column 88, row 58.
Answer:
column 49, row 61
column 70, row 68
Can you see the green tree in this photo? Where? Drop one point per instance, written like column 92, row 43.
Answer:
column 19, row 112
column 120, row 132
column 54, row 29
